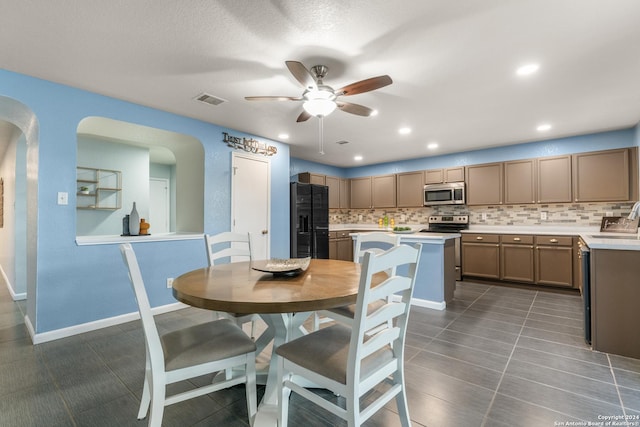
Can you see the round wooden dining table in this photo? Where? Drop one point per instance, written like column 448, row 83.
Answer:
column 283, row 302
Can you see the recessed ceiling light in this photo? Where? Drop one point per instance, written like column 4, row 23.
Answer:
column 528, row 69
column 283, row 136
column 373, row 113
column 432, row 146
column 404, row 131
column 357, row 158
column 544, row 127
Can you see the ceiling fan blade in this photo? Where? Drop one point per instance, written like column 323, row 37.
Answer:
column 273, row 98
column 303, row 117
column 352, row 108
column 302, row 75
column 364, row 85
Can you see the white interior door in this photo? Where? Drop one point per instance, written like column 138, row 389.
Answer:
column 159, row 205
column 250, row 200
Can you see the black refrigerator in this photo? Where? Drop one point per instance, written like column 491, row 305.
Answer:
column 309, row 221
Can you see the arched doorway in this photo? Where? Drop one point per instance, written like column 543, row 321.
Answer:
column 20, row 116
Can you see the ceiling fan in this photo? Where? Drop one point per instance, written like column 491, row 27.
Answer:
column 320, row 100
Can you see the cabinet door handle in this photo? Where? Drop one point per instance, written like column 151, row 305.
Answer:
column 516, row 239
column 553, row 241
column 479, row 238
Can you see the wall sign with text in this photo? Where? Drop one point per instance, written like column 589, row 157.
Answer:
column 249, row 144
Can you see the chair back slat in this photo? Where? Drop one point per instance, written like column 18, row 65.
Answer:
column 228, row 246
column 379, row 242
column 393, row 316
column 154, row 347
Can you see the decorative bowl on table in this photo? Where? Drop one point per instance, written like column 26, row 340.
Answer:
column 282, row 267
column 402, row 230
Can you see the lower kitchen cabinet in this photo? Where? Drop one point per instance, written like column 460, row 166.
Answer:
column 340, row 245
column 481, row 255
column 554, row 261
column 542, row 260
column 516, row 258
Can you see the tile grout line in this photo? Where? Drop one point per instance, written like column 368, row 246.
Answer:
column 448, row 324
column 504, row 371
column 615, row 382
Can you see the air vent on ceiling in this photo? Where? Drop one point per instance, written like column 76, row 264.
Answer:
column 342, row 142
column 209, row 99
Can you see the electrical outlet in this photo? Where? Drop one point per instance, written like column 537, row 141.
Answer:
column 543, row 216
column 169, row 282
column 63, row 198
column 484, row 216
column 608, row 213
column 359, row 217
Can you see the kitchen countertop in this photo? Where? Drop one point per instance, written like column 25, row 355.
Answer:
column 591, row 235
column 415, row 236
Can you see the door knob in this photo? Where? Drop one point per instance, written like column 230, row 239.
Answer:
column 265, row 231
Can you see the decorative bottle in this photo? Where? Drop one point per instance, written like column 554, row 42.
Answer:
column 134, row 221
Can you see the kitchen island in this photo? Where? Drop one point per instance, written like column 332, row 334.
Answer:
column 614, row 292
column 435, row 281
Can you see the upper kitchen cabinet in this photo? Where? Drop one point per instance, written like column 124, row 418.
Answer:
column 409, row 189
column 602, row 176
column 345, row 193
column 554, row 179
column 519, row 182
column 373, row 192
column 334, row 191
column 439, row 176
column 383, row 191
column 361, row 193
column 484, row 184
column 311, row 178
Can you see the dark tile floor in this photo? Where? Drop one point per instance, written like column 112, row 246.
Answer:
column 496, row 356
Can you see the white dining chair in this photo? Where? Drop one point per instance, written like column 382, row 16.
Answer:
column 219, row 345
column 376, row 242
column 347, row 360
column 231, row 247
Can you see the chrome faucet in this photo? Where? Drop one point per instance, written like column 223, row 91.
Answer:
column 635, row 211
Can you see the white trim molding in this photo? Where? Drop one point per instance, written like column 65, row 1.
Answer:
column 95, row 325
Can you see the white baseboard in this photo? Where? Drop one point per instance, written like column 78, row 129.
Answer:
column 425, row 303
column 12, row 292
column 428, row 304
column 95, row 325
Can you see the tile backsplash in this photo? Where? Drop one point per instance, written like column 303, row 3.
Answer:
column 570, row 214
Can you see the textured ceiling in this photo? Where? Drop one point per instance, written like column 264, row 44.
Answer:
column 452, row 62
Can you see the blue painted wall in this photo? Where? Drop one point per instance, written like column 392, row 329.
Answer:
column 80, row 284
column 551, row 147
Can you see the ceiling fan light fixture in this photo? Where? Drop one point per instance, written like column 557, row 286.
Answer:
column 319, row 107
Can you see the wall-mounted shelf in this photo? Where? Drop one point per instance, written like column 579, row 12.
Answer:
column 98, row 189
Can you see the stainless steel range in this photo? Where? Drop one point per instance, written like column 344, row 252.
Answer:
column 449, row 224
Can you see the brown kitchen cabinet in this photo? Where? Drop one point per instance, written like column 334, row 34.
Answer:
column 484, row 184
column 345, row 193
column 340, row 245
column 517, row 258
column 554, row 260
column 410, row 189
column 615, row 298
column 439, row 176
column 553, row 179
column 601, row 176
column 361, row 193
column 333, row 184
column 311, row 178
column 481, row 255
column 520, row 181
column 383, row 191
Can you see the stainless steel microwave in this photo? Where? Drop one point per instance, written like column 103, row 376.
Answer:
column 451, row 193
